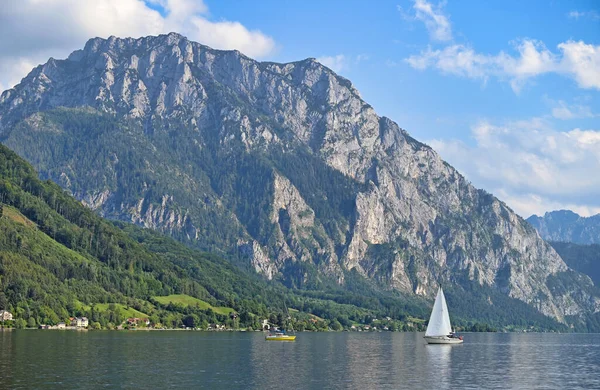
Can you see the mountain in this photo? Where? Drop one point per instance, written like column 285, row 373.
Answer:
column 59, row 259
column 282, row 168
column 582, row 258
column 567, row 226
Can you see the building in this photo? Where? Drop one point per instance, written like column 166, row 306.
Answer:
column 138, row 321
column 5, row 315
column 216, row 327
column 61, row 325
column 80, row 322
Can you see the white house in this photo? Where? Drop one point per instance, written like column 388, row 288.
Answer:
column 265, row 325
column 5, row 315
column 81, row 322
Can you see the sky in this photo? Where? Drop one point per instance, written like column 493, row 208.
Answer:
column 508, row 92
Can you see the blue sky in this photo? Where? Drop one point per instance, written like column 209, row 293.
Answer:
column 427, row 103
column 507, row 91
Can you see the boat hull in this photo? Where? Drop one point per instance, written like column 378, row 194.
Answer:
column 280, row 338
column 442, row 340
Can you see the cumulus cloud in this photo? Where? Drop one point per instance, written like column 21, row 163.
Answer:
column 531, row 165
column 55, row 28
column 575, row 59
column 582, row 61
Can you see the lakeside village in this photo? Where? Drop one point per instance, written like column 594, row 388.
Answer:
column 231, row 323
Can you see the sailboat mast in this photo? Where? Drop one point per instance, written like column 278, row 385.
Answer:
column 439, row 322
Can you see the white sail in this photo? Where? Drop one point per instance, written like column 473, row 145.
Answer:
column 439, row 322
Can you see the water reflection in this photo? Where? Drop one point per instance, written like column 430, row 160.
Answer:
column 438, row 363
column 51, row 359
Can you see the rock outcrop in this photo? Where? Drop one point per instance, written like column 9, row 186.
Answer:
column 283, row 164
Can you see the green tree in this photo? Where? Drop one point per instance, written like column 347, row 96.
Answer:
column 3, row 301
column 31, row 322
column 335, row 325
column 20, row 323
column 191, row 321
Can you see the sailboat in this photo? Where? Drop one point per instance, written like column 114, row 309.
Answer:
column 282, row 336
column 439, row 330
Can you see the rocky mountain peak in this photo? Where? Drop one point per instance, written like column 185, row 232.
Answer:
column 282, row 164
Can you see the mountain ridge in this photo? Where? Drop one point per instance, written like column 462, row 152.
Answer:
column 567, row 226
column 59, row 259
column 282, row 166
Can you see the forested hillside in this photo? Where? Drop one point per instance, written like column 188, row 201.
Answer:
column 583, row 258
column 59, row 259
column 281, row 168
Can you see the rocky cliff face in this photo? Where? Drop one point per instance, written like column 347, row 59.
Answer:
column 282, row 164
column 567, row 226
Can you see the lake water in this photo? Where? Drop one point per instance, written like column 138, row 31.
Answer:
column 31, row 359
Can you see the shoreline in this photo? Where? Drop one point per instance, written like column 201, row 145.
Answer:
column 263, row 331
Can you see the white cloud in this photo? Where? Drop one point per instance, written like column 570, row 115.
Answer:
column 437, row 24
column 582, row 61
column 584, row 14
column 562, row 110
column 336, row 63
column 578, row 60
column 435, row 21
column 455, row 59
column 531, row 165
column 341, row 62
column 529, row 204
column 13, row 69
column 55, row 28
column 230, row 35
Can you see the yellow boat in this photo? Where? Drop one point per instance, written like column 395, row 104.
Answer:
column 280, row 337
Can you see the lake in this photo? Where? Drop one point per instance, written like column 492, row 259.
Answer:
column 230, row 360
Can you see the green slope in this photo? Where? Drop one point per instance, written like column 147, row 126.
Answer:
column 186, row 300
column 59, row 259
column 55, row 253
column 582, row 258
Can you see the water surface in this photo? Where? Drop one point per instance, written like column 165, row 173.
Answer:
column 179, row 359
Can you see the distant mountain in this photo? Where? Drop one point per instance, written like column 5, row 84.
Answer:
column 280, row 167
column 567, row 226
column 582, row 258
